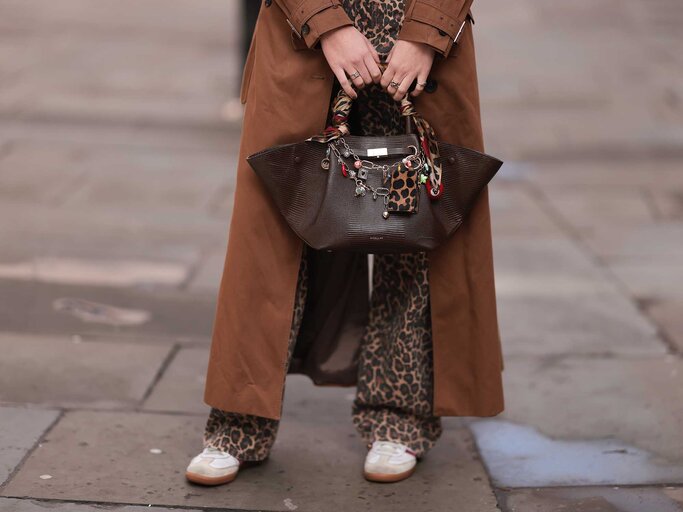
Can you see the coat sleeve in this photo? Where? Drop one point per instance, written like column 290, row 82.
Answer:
column 310, row 19
column 435, row 22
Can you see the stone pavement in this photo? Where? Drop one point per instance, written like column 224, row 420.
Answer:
column 117, row 158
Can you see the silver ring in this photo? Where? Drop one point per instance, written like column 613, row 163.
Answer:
column 422, row 84
column 354, row 75
column 395, row 85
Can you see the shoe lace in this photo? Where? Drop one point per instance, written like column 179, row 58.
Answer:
column 388, row 447
column 215, row 453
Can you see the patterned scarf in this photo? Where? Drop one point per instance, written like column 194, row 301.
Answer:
column 341, row 109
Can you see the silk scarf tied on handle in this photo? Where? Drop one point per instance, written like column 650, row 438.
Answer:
column 341, row 111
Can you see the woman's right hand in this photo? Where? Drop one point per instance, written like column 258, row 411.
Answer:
column 350, row 54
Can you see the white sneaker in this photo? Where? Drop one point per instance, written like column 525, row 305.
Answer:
column 212, row 467
column 389, row 462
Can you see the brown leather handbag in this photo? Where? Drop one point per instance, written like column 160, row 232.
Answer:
column 373, row 194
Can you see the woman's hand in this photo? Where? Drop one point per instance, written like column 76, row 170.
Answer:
column 406, row 62
column 348, row 52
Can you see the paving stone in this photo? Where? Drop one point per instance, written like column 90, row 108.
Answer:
column 661, row 243
column 605, row 174
column 585, row 207
column 100, row 272
column 26, row 505
column 594, row 499
column 546, row 325
column 667, row 204
column 646, row 279
column 554, row 299
column 450, row 477
column 71, row 82
column 668, row 316
column 59, row 371
column 50, row 308
column 518, row 456
column 617, row 413
column 181, row 388
column 514, row 211
column 207, row 277
column 546, row 266
column 20, row 429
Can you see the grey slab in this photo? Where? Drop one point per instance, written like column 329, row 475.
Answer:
column 519, row 456
column 593, row 499
column 20, row 429
column 668, row 204
column 515, row 211
column 605, row 323
column 181, row 388
column 172, row 315
column 660, row 243
column 546, row 266
column 586, row 207
column 648, row 279
column 588, row 410
column 609, row 174
column 296, row 475
column 668, row 316
column 28, row 505
column 143, row 55
column 60, row 371
column 208, row 273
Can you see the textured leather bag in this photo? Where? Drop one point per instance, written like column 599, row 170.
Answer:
column 373, row 194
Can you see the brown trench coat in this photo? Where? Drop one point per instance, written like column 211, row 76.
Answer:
column 287, row 87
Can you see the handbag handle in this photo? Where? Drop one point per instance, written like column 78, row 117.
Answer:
column 341, row 109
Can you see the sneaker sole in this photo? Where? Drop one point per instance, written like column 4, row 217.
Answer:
column 388, row 477
column 210, row 480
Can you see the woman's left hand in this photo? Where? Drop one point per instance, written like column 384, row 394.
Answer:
column 406, row 62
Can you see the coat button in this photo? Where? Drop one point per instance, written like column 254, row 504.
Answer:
column 431, row 85
column 297, row 159
column 268, row 3
column 451, row 159
column 305, row 29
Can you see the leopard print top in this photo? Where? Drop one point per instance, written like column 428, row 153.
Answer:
column 375, row 112
column 379, row 20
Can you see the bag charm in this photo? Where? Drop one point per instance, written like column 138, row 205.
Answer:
column 426, row 171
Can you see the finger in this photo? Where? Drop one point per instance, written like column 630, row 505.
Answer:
column 365, row 72
column 391, row 52
column 344, row 82
column 387, row 77
column 355, row 76
column 373, row 69
column 421, row 82
column 402, row 89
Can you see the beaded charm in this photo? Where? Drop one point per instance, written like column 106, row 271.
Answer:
column 357, row 164
column 343, row 170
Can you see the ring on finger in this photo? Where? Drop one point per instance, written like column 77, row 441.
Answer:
column 422, row 84
column 394, row 84
column 354, row 75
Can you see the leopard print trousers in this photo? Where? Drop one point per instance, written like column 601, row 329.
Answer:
column 394, row 394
